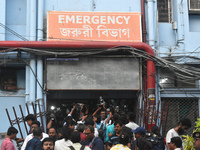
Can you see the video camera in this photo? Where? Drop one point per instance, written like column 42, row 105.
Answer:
column 153, row 138
column 100, row 102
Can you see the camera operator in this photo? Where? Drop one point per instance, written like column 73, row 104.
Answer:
column 155, row 138
column 56, row 121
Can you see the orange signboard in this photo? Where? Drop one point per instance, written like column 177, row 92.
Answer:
column 94, row 26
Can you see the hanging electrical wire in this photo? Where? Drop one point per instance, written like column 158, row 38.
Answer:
column 183, row 72
column 13, row 32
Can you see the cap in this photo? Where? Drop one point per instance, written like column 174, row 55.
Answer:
column 196, row 135
column 140, row 130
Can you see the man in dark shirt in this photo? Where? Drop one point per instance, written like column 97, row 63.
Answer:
column 113, row 140
column 95, row 143
column 35, row 143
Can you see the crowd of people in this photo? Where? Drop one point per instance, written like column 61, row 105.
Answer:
column 102, row 130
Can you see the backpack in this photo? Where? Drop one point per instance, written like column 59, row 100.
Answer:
column 72, row 148
column 101, row 132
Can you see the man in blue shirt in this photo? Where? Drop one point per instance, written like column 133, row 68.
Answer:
column 35, row 143
column 95, row 143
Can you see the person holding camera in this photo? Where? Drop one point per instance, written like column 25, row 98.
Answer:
column 139, row 134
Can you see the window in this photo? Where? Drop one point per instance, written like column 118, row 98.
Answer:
column 194, row 6
column 8, row 79
column 164, row 10
column 169, row 80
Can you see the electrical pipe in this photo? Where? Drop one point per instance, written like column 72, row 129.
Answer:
column 40, row 20
column 39, row 78
column 32, row 18
column 88, row 45
column 32, row 88
column 144, row 32
column 151, row 23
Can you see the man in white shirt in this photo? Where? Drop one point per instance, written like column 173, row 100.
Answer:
column 131, row 123
column 30, row 136
column 182, row 127
column 76, row 138
column 65, row 142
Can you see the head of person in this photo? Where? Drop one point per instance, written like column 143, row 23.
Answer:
column 12, row 132
column 71, row 124
column 89, row 121
column 155, row 130
column 118, row 126
column 123, row 119
column 196, row 141
column 115, row 117
column 35, row 124
column 184, row 125
column 139, row 132
column 48, row 144
column 30, row 118
column 103, row 114
column 131, row 117
column 97, row 118
column 75, row 137
column 37, row 132
column 52, row 133
column 80, row 127
column 176, row 142
column 89, row 132
column 143, row 144
column 66, row 133
column 124, row 138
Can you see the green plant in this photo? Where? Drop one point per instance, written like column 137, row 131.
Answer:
column 188, row 139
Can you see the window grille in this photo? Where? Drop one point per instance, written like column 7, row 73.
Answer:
column 164, row 10
column 180, row 108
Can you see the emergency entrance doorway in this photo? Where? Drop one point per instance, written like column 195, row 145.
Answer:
column 117, row 79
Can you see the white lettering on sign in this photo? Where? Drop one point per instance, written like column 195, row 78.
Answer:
column 94, row 19
column 101, row 29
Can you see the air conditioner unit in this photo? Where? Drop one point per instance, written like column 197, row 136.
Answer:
column 194, row 6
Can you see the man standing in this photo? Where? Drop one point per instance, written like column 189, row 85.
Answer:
column 76, row 138
column 196, row 141
column 139, row 133
column 114, row 139
column 131, row 123
column 30, row 136
column 176, row 143
column 48, row 144
column 35, row 143
column 29, row 119
column 182, row 127
column 95, row 143
column 52, row 134
column 7, row 143
column 65, row 142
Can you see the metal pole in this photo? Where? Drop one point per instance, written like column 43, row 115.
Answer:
column 9, row 117
column 40, row 115
column 23, row 119
column 17, row 122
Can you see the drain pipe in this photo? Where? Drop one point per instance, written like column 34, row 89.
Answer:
column 40, row 20
column 33, row 20
column 144, row 32
column 32, row 82
column 150, row 23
